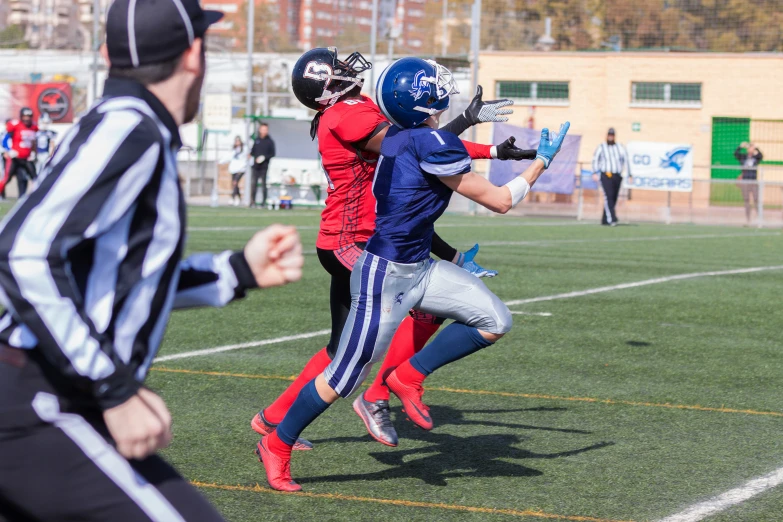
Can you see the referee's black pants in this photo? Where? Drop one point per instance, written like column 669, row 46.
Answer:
column 611, row 184
column 57, row 461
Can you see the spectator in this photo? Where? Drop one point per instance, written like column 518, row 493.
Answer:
column 750, row 160
column 610, row 161
column 263, row 150
column 237, row 164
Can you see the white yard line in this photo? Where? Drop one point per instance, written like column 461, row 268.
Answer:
column 545, row 242
column 646, row 282
column 444, row 225
column 537, row 314
column 219, row 349
column 228, row 348
column 728, row 499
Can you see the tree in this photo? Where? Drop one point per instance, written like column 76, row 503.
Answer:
column 12, row 37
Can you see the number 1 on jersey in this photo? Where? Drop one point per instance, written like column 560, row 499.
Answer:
column 435, row 133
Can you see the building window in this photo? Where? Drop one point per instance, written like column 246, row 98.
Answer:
column 541, row 93
column 661, row 94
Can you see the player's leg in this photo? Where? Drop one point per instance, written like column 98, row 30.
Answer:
column 20, row 170
column 382, row 294
column 373, row 405
column 481, row 319
column 340, row 305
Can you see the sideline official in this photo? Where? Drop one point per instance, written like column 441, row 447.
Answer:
column 90, row 269
column 262, row 152
column 609, row 161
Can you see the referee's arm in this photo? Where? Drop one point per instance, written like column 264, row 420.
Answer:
column 598, row 160
column 92, row 184
column 213, row 280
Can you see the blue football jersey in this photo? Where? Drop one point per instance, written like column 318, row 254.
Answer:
column 409, row 196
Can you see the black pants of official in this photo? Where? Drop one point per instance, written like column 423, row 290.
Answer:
column 259, row 174
column 24, row 170
column 611, row 184
column 57, row 461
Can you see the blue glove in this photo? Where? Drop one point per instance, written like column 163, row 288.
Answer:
column 548, row 149
column 466, row 261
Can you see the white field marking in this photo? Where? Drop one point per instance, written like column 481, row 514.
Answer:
column 546, row 242
column 219, row 349
column 537, row 314
column 444, row 225
column 243, row 228
column 728, row 499
column 228, row 348
column 646, row 282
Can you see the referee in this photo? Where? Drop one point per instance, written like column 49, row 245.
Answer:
column 90, row 269
column 610, row 161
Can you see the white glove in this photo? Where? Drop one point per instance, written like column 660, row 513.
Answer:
column 13, row 154
column 260, row 159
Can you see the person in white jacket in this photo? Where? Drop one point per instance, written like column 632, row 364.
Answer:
column 237, row 164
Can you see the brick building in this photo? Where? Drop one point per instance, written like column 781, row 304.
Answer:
column 303, row 24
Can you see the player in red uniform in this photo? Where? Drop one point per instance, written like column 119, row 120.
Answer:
column 350, row 128
column 23, row 133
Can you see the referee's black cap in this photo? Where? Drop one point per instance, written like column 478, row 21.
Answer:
column 145, row 32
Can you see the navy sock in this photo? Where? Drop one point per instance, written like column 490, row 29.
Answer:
column 305, row 409
column 456, row 341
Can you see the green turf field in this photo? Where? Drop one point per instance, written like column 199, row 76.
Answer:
column 623, row 404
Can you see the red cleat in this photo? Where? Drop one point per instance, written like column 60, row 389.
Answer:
column 278, row 469
column 263, row 427
column 412, row 405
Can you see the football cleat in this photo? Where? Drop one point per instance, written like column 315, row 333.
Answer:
column 263, row 427
column 278, row 469
column 377, row 419
column 412, row 405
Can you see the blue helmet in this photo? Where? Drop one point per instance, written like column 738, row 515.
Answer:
column 411, row 90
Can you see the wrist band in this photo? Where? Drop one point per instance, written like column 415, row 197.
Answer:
column 519, row 187
column 493, row 152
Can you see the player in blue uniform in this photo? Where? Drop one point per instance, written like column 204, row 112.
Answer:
column 419, row 169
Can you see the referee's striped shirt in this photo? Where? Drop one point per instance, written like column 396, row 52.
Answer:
column 90, row 262
column 610, row 158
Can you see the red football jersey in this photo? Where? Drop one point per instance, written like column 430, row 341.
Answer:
column 22, row 137
column 349, row 216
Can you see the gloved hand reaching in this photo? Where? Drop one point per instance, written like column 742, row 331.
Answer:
column 480, row 111
column 548, row 148
column 467, row 262
column 508, row 151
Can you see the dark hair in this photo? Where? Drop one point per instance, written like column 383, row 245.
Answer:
column 263, row 124
column 147, row 74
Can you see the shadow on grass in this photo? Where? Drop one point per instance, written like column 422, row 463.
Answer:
column 450, row 456
column 448, row 416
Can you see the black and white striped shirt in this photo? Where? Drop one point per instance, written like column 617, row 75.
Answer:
column 610, row 158
column 90, row 262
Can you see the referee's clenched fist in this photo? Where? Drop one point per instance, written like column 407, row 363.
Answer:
column 90, row 269
column 275, row 256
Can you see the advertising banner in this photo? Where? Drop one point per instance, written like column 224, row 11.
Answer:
column 54, row 98
column 559, row 178
column 660, row 166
